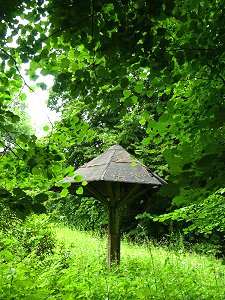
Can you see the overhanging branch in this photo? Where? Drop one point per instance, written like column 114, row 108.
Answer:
column 18, row 70
column 75, row 24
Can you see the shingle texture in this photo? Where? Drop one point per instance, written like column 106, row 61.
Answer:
column 116, row 165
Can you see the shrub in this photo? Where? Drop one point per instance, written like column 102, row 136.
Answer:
column 84, row 213
column 36, row 235
column 8, row 220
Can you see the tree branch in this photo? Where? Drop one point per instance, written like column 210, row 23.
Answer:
column 8, row 134
column 190, row 49
column 14, row 153
column 220, row 76
column 75, row 24
column 24, row 81
column 18, row 70
column 223, row 80
column 17, row 96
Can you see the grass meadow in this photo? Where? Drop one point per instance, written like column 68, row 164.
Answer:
column 76, row 269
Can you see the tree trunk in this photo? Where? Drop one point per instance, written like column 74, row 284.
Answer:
column 114, row 236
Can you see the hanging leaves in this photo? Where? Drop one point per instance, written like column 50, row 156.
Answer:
column 148, row 75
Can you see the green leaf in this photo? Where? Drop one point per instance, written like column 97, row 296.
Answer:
column 103, row 72
column 8, row 127
column 46, row 128
column 170, row 189
column 134, row 99
column 2, row 144
column 37, row 171
column 64, row 193
column 65, row 62
column 65, row 185
column 69, row 169
column 31, row 162
column 44, row 72
column 23, row 96
column 75, row 119
column 42, row 85
column 74, row 66
column 142, row 121
column 2, row 119
column 124, row 83
column 23, row 138
column 39, row 208
column 78, row 177
column 40, row 198
column 139, row 87
column 126, row 93
column 19, row 192
column 150, row 93
column 207, row 160
column 15, row 119
column 6, row 254
column 79, row 191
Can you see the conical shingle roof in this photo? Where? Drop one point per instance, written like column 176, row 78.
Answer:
column 116, row 165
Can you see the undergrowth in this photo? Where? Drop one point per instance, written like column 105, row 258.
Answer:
column 75, row 268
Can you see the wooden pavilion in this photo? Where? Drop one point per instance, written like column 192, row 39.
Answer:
column 115, row 179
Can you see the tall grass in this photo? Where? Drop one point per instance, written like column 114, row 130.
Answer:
column 77, row 270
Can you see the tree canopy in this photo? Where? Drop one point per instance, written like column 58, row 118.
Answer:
column 146, row 74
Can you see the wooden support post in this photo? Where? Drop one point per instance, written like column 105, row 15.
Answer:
column 114, row 236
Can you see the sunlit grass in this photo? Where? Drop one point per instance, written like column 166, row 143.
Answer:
column 77, row 270
column 146, row 271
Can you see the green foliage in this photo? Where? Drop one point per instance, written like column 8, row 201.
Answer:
column 206, row 217
column 83, row 213
column 23, row 245
column 77, row 269
column 36, row 236
column 8, row 220
column 146, row 74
